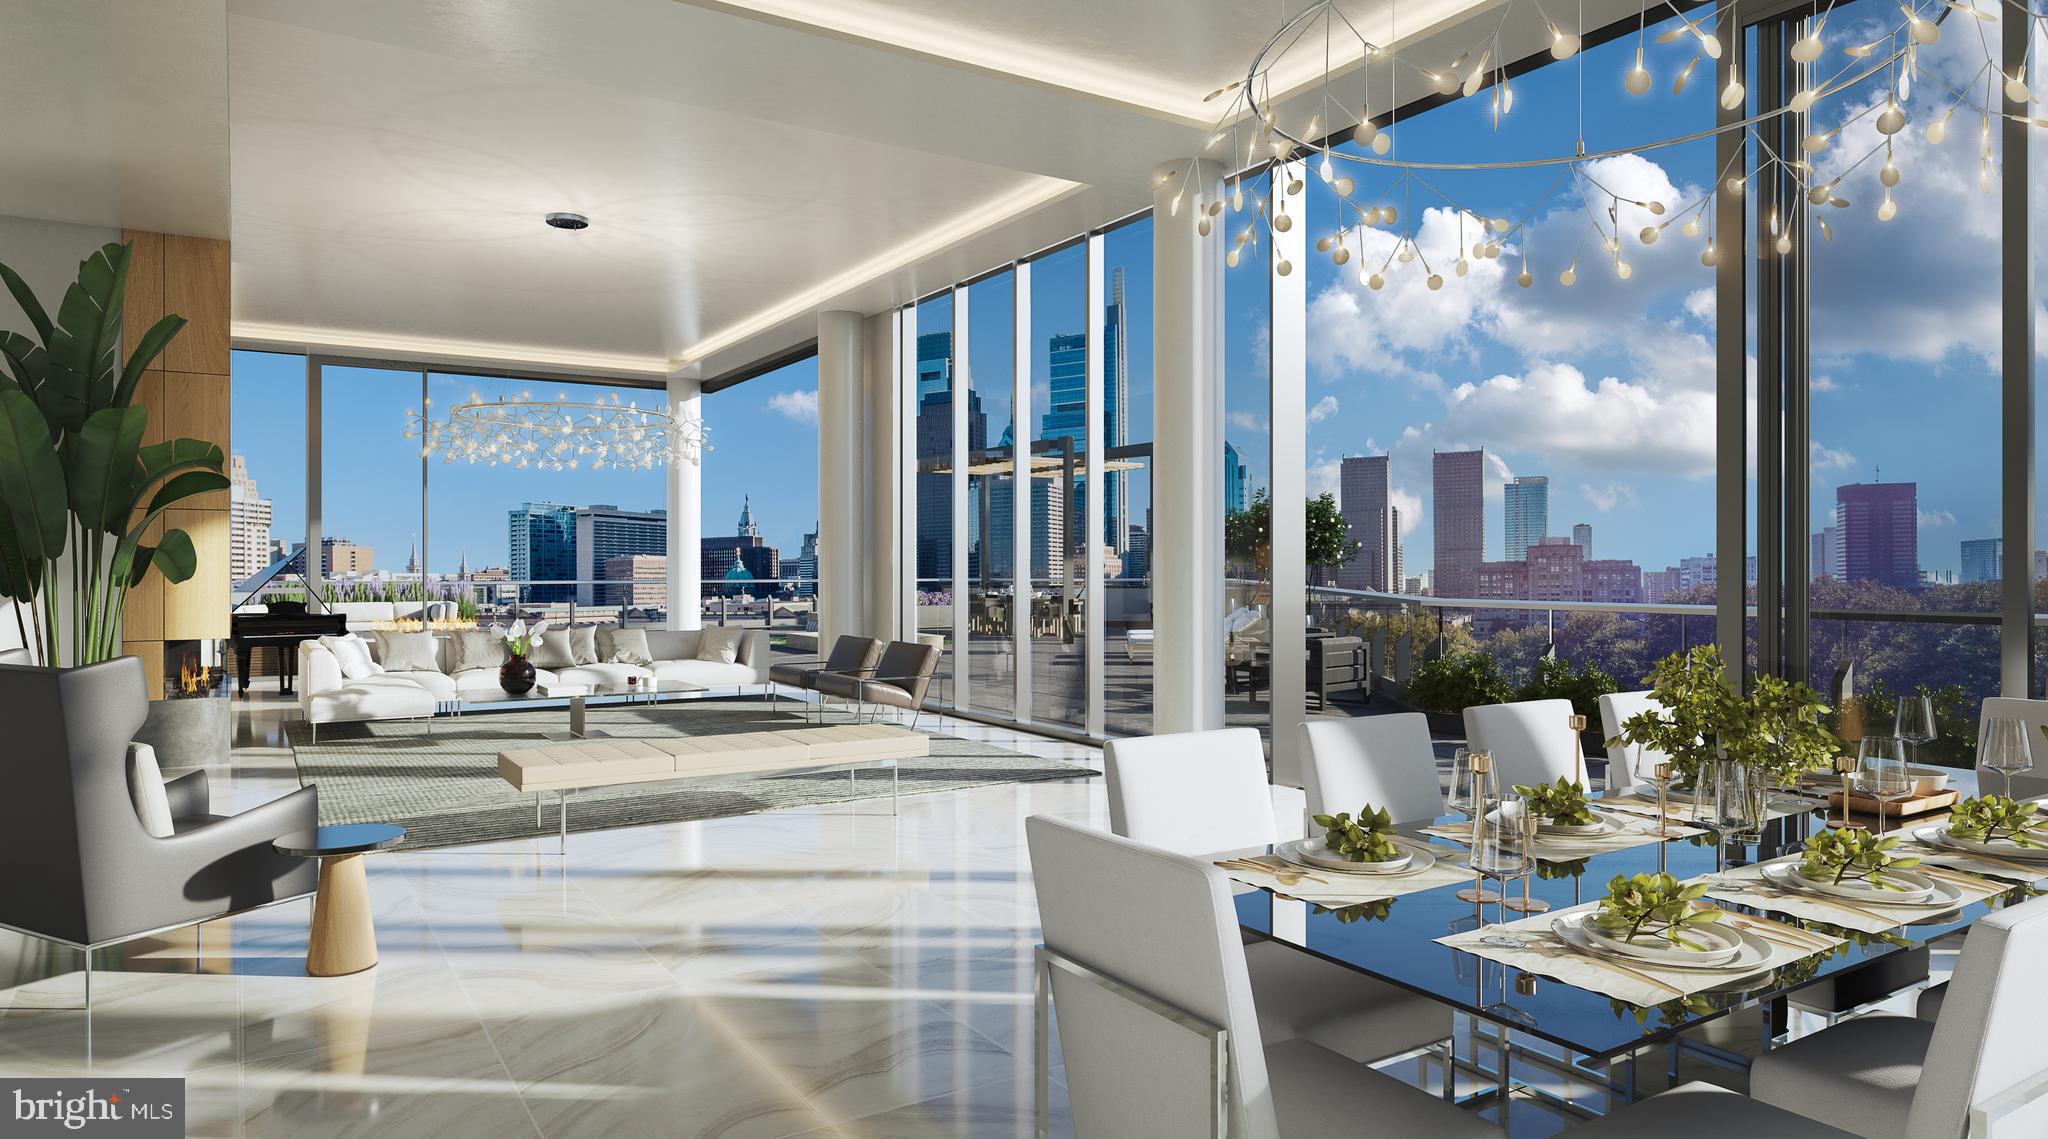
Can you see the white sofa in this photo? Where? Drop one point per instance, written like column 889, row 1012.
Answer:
column 326, row 696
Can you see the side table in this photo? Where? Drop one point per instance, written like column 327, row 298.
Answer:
column 343, row 938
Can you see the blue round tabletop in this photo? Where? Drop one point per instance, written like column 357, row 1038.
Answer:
column 330, row 842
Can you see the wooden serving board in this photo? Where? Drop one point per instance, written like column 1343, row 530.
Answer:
column 1898, row 808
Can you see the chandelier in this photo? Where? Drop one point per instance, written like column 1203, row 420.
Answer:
column 558, row 434
column 1357, row 101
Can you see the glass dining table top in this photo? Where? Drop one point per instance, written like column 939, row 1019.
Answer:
column 1395, row 941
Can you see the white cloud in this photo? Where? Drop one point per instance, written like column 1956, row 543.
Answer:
column 1829, row 458
column 1824, row 383
column 1700, row 303
column 1936, row 519
column 800, row 406
column 1324, row 476
column 1324, row 409
column 1556, row 414
column 1245, row 420
column 1410, row 506
column 1606, row 498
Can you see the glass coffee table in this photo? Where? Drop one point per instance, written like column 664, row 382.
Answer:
column 577, row 698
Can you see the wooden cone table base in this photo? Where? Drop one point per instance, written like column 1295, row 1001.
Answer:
column 344, row 938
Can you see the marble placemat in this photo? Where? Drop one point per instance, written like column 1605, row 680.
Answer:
column 1555, row 848
column 1338, row 888
column 1641, row 984
column 1746, row 886
column 2008, row 869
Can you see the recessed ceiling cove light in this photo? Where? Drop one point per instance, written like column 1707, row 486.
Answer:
column 568, row 221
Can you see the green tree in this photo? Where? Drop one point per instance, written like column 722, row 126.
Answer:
column 1248, row 537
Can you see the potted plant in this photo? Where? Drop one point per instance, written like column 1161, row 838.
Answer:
column 1443, row 688
column 1693, row 689
column 74, row 473
column 516, row 676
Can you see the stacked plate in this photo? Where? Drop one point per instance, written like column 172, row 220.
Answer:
column 1603, row 826
column 1939, row 835
column 1902, row 888
column 1315, row 854
column 1720, row 946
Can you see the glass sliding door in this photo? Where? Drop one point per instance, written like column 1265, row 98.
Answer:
column 992, row 495
column 932, row 412
column 1058, row 447
column 372, row 490
column 1127, row 459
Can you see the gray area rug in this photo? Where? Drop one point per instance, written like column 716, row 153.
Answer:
column 443, row 787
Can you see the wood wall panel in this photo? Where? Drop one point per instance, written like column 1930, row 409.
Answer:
column 198, row 608
column 196, row 407
column 143, row 618
column 196, row 288
column 144, row 303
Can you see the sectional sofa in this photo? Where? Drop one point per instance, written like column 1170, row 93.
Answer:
column 327, row 696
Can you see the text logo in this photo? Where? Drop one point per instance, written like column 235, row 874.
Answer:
column 139, row 1109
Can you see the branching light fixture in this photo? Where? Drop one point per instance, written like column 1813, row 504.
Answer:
column 1343, row 107
column 558, row 434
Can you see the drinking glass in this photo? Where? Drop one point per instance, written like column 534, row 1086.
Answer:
column 1881, row 772
column 1527, row 828
column 1473, row 792
column 1916, row 721
column 2004, row 748
column 1497, row 853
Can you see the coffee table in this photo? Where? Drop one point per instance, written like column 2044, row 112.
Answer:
column 343, row 939
column 576, row 697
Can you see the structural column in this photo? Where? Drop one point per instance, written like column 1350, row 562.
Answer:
column 882, row 565
column 841, row 596
column 1187, row 452
column 1288, row 565
column 2016, row 350
column 686, row 513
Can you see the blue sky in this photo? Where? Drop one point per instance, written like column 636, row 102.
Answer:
column 1605, row 387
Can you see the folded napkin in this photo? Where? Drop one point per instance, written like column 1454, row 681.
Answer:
column 1639, row 984
column 1562, row 848
column 1746, row 886
column 1338, row 888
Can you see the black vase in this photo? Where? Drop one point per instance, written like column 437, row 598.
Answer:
column 516, row 677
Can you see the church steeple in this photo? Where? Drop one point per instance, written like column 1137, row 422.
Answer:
column 747, row 527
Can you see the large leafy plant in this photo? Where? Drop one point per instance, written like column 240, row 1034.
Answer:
column 1778, row 726
column 74, row 474
column 1456, row 682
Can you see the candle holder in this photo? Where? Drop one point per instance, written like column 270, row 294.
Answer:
column 1578, row 726
column 1527, row 827
column 1482, row 780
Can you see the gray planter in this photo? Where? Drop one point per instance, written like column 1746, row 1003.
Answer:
column 189, row 732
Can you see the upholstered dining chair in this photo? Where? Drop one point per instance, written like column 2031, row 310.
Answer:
column 1201, row 793
column 850, row 656
column 1616, row 709
column 2034, row 713
column 1161, row 1023
column 1387, row 761
column 83, row 870
column 1904, row 1077
column 1531, row 740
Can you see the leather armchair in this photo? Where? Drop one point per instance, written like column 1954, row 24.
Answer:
column 85, row 872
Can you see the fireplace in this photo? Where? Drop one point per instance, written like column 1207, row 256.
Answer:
column 190, row 723
column 193, row 670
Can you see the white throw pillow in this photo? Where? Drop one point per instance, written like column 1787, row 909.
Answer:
column 583, row 644
column 552, row 650
column 720, row 646
column 146, row 790
column 409, row 652
column 478, row 649
column 629, row 646
column 352, row 653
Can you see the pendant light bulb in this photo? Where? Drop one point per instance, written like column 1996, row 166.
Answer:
column 1436, row 281
column 1637, row 80
column 1562, row 46
column 1570, row 276
column 1365, row 131
column 1887, row 209
column 1733, row 94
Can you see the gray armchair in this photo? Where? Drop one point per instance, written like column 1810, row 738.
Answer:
column 898, row 681
column 83, row 871
column 850, row 656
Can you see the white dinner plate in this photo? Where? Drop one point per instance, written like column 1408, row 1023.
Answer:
column 1914, row 888
column 1786, row 876
column 1940, row 836
column 1723, row 944
column 1312, row 853
column 1753, row 955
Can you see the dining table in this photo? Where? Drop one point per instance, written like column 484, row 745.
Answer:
column 1558, row 1009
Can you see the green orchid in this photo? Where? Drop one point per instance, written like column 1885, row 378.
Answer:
column 1853, row 855
column 1368, row 839
column 1997, row 818
column 1563, row 803
column 1654, row 904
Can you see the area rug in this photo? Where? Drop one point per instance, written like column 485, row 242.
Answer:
column 442, row 785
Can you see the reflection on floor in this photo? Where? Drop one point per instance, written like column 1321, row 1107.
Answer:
column 830, row 971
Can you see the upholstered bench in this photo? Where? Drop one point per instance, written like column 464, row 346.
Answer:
column 565, row 768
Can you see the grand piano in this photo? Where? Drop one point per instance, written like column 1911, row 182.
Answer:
column 280, row 623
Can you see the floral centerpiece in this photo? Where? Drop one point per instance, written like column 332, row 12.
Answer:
column 1775, row 729
column 516, row 676
column 1654, row 905
column 1562, row 803
column 1837, row 856
column 1369, row 838
column 1998, row 818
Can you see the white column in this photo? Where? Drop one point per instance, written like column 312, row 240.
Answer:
column 1022, row 490
column 841, row 596
column 1187, row 452
column 882, row 567
column 1095, row 594
column 905, row 431
column 686, row 513
column 963, row 695
column 1289, row 371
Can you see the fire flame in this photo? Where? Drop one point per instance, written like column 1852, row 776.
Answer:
column 191, row 677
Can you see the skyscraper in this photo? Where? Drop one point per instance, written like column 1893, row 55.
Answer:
column 1458, row 486
column 1824, row 554
column 1880, row 524
column 543, row 545
column 807, row 564
column 1370, row 520
column 248, row 524
column 1527, row 504
column 1582, row 536
column 604, row 532
column 935, row 458
column 1983, row 559
column 1066, row 414
column 1234, row 480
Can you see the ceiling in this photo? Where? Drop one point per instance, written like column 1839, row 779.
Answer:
column 745, row 163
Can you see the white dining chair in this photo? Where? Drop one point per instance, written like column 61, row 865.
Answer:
column 1616, row 709
column 1700, row 1108
column 2034, row 713
column 1902, row 1077
column 1205, row 793
column 1531, row 740
column 1160, row 1022
column 1386, row 761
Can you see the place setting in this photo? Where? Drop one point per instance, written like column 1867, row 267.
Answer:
column 1853, row 878
column 1568, row 825
column 1355, row 859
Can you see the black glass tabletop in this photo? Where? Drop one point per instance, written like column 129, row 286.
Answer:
column 330, row 842
column 1395, row 941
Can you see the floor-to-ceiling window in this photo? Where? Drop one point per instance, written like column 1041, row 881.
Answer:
column 1058, row 447
column 1126, row 589
column 939, row 611
column 267, row 469
column 760, row 556
column 372, row 485
column 993, row 492
column 1246, row 466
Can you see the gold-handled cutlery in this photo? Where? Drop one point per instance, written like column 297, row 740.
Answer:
column 1555, row 947
column 1286, row 875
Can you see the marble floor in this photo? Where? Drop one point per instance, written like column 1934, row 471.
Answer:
column 831, row 971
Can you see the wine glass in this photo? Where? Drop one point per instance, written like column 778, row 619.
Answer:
column 1472, row 792
column 1881, row 772
column 2004, row 749
column 1916, row 721
column 1497, row 853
